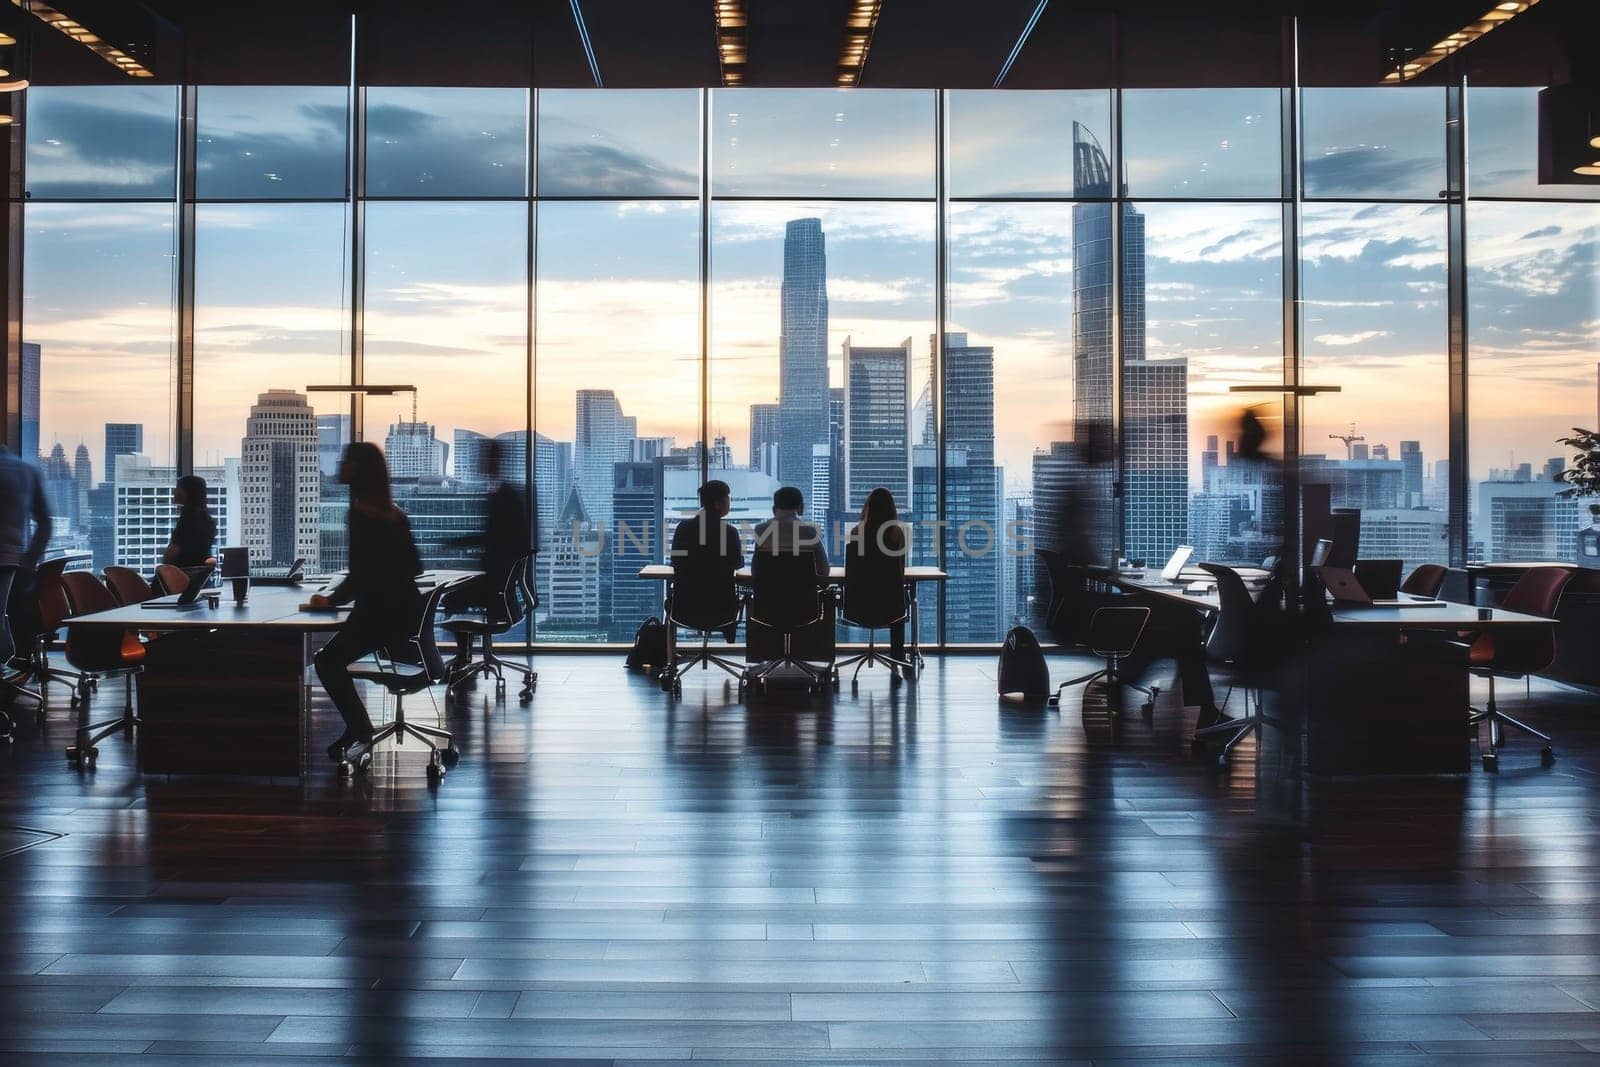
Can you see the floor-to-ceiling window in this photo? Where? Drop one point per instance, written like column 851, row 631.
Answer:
column 99, row 369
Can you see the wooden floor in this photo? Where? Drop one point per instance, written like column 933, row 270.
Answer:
column 908, row 875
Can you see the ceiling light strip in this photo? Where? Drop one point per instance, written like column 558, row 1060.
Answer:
column 733, row 23
column 1502, row 12
column 1016, row 49
column 588, row 47
column 65, row 24
column 858, row 29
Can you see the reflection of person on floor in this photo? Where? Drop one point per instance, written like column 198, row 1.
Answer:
column 503, row 541
column 382, row 581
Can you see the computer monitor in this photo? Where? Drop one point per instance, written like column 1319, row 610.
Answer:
column 235, row 563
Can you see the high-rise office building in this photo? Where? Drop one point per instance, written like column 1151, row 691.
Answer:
column 803, row 349
column 636, row 539
column 60, row 489
column 1156, row 408
column 877, row 418
column 28, row 388
column 333, row 433
column 604, row 438
column 413, row 451
column 122, row 439
column 973, row 494
column 83, row 481
column 281, row 481
column 573, row 572
column 1523, row 518
column 1411, row 467
column 765, row 433
column 144, row 513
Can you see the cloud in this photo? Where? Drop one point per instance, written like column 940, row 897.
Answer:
column 605, row 170
column 1341, row 339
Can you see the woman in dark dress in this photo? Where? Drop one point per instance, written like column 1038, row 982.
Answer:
column 382, row 581
column 194, row 536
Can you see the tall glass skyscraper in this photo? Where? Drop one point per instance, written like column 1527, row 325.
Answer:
column 28, row 386
column 877, row 417
column 803, row 350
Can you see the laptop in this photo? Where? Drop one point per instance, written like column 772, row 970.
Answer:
column 1342, row 583
column 1174, row 566
column 190, row 597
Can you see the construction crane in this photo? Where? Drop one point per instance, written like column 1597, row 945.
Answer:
column 1349, row 440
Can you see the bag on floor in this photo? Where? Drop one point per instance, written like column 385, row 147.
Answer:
column 649, row 651
column 1022, row 666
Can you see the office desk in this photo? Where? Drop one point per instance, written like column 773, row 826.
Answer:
column 224, row 690
column 915, row 576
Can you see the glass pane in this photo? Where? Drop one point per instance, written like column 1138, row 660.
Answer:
column 1008, row 388
column 619, row 142
column 1201, row 142
column 1020, row 143
column 102, row 142
column 446, row 312
column 1202, row 311
column 282, row 142
column 822, row 142
column 447, row 142
column 272, row 317
column 1375, row 324
column 1503, row 146
column 98, row 374
column 1533, row 278
column 1379, row 143
column 618, row 406
column 809, row 302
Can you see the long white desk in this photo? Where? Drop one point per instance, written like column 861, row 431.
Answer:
column 915, row 576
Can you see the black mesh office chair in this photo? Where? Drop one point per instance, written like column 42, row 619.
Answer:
column 705, row 601
column 515, row 602
column 412, row 668
column 786, row 595
column 1112, row 635
column 874, row 599
column 1242, row 640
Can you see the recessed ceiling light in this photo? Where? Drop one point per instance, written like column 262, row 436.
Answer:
column 1588, row 170
column 75, row 30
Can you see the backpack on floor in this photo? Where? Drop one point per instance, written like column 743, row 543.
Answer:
column 1022, row 666
column 649, row 646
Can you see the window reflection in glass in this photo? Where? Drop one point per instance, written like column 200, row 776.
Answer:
column 1201, row 142
column 832, row 142
column 282, row 142
column 1534, row 329
column 1503, row 146
column 98, row 372
column 1375, row 325
column 618, row 415
column 447, row 142
column 102, row 142
column 619, row 142
column 1019, row 144
column 1374, row 143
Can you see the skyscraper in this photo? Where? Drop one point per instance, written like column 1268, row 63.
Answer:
column 636, row 540
column 280, row 480
column 122, row 439
column 1411, row 473
column 877, row 422
column 803, row 350
column 414, row 452
column 973, row 491
column 604, row 438
column 333, row 433
column 1155, row 392
column 28, row 387
column 765, row 433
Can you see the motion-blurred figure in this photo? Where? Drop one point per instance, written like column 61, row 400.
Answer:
column 504, row 540
column 22, row 505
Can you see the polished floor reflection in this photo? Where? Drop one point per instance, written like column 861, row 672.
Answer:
column 902, row 874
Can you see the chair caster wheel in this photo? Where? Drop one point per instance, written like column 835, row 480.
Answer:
column 1149, row 709
column 435, row 772
column 1052, row 701
column 1547, row 756
column 1222, row 761
column 525, row 697
column 450, row 757
column 1491, row 762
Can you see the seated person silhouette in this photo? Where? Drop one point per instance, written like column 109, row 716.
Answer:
column 786, row 533
column 706, row 551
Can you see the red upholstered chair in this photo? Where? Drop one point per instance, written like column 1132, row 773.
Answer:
column 1425, row 581
column 1518, row 653
column 172, row 579
column 98, row 652
column 128, row 586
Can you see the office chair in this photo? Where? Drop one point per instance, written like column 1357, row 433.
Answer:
column 172, row 579
column 1426, row 581
column 1239, row 640
column 874, row 599
column 704, row 602
column 1517, row 654
column 1112, row 635
column 128, row 586
column 98, row 652
column 515, row 602
column 786, row 595
column 53, row 609
column 12, row 684
column 1066, row 616
column 418, row 667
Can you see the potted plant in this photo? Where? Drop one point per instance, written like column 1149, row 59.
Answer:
column 1582, row 479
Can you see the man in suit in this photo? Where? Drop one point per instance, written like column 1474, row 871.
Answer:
column 787, row 533
column 705, row 546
